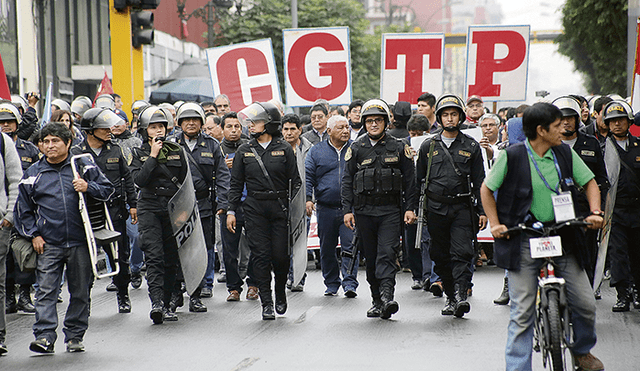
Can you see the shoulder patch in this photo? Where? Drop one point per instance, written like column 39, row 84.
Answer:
column 407, row 151
column 113, row 160
column 173, row 157
column 26, row 159
column 366, row 162
column 249, row 154
column 464, row 153
column 277, row 153
column 206, row 154
column 347, row 156
column 585, row 152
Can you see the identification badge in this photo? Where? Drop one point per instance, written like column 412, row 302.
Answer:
column 545, row 247
column 563, row 207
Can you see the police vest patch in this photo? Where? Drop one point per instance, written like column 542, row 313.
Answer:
column 206, row 154
column 347, row 156
column 391, row 159
column 366, row 162
column 144, row 158
column 26, row 159
column 585, row 152
column 249, row 154
column 407, row 151
column 113, row 160
column 464, row 153
column 173, row 157
column 277, row 153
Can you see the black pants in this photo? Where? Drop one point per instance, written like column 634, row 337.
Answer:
column 624, row 255
column 231, row 255
column 209, row 232
column 267, row 234
column 159, row 247
column 380, row 238
column 452, row 246
column 123, row 278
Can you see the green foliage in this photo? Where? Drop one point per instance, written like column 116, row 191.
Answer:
column 595, row 39
column 266, row 19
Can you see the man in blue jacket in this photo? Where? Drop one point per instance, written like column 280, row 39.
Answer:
column 46, row 213
column 324, row 168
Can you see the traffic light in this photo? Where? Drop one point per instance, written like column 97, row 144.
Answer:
column 141, row 28
column 136, row 4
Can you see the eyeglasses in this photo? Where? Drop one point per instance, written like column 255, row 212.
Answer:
column 317, row 117
column 377, row 120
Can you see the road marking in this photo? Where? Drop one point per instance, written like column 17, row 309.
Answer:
column 245, row 363
column 308, row 314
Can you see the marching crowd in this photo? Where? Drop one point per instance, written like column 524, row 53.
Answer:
column 378, row 177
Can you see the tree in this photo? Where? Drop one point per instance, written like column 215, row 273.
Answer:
column 595, row 39
column 267, row 18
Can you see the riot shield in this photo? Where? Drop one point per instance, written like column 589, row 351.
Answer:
column 187, row 230
column 612, row 164
column 298, row 235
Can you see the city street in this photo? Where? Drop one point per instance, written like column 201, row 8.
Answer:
column 317, row 333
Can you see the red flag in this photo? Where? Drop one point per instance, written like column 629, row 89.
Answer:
column 185, row 30
column 105, row 86
column 4, row 84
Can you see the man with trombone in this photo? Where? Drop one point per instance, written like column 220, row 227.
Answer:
column 48, row 215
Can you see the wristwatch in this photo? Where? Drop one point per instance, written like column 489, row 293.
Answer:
column 597, row 213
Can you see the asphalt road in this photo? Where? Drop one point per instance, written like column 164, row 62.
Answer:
column 317, row 333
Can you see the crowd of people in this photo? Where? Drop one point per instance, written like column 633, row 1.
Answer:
column 390, row 187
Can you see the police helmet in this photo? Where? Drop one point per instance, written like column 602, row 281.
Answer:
column 375, row 107
column 19, row 102
column 266, row 112
column 99, row 118
column 151, row 115
column 190, row 109
column 105, row 101
column 618, row 108
column 569, row 106
column 9, row 112
column 80, row 105
column 61, row 104
column 138, row 105
column 450, row 101
column 177, row 104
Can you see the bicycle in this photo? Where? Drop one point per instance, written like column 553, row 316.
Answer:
column 553, row 332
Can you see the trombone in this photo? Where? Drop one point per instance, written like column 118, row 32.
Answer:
column 98, row 228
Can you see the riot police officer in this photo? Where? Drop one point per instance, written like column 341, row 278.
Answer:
column 454, row 181
column 379, row 175
column 79, row 106
column 210, row 177
column 268, row 167
column 157, row 168
column 624, row 248
column 97, row 123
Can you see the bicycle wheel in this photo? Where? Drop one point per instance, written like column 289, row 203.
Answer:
column 555, row 332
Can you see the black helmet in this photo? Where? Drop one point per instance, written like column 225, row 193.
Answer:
column 266, row 112
column 568, row 105
column 450, row 101
column 190, row 109
column 105, row 101
column 99, row 118
column 618, row 108
column 80, row 105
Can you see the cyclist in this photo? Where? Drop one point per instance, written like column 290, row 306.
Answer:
column 527, row 176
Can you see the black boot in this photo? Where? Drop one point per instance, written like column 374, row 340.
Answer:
column 124, row 303
column 636, row 297
column 462, row 305
column 504, row 296
column 156, row 312
column 281, row 294
column 136, row 280
column 267, row 312
column 195, row 305
column 177, row 300
column 11, row 305
column 624, row 299
column 376, row 309
column 389, row 306
column 24, row 300
column 450, row 307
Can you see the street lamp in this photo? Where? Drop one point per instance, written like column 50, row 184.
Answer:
column 206, row 13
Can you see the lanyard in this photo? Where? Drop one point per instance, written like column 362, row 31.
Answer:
column 555, row 162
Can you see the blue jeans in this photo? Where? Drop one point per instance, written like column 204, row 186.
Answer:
column 523, row 286
column 330, row 226
column 136, row 259
column 49, row 269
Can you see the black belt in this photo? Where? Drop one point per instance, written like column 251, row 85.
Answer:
column 268, row 195
column 159, row 191
column 457, row 199
column 376, row 200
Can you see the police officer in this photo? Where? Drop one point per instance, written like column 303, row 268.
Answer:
column 97, row 123
column 454, row 182
column 268, row 167
column 209, row 173
column 624, row 241
column 379, row 175
column 588, row 148
column 10, row 120
column 157, row 168
column 79, row 106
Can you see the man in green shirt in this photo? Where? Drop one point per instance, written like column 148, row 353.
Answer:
column 526, row 177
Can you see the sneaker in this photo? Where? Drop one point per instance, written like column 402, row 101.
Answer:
column 112, row 287
column 436, row 289
column 350, row 293
column 297, row 288
column 41, row 345
column 252, row 293
column 330, row 292
column 136, row 280
column 417, row 285
column 222, row 277
column 3, row 348
column 206, row 292
column 588, row 362
column 168, row 315
column 74, row 346
column 234, row 295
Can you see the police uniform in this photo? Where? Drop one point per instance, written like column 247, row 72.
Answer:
column 265, row 220
column 28, row 152
column 377, row 176
column 113, row 165
column 448, row 211
column 210, row 177
column 156, row 234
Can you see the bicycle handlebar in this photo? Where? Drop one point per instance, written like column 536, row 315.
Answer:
column 540, row 229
